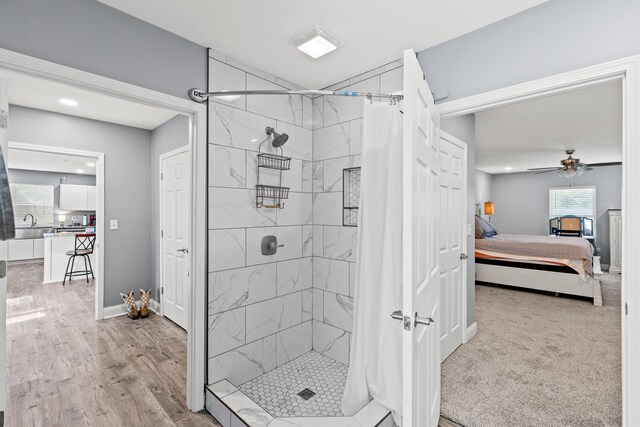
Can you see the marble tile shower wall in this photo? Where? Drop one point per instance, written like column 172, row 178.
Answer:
column 260, row 307
column 337, row 142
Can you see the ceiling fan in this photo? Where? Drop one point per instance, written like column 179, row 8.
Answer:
column 571, row 167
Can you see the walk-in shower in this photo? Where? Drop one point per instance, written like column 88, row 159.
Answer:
column 280, row 320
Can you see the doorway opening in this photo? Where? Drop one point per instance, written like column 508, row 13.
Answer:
column 615, row 76
column 124, row 230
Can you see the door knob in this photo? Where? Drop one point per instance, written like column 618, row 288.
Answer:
column 463, row 256
column 406, row 320
column 183, row 250
column 397, row 315
column 426, row 321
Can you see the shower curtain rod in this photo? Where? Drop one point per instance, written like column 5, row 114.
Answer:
column 200, row 95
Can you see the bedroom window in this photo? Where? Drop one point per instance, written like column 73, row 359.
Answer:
column 576, row 201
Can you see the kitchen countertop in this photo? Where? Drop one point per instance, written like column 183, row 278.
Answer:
column 64, row 234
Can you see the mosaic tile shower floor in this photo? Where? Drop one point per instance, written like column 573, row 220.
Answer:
column 277, row 390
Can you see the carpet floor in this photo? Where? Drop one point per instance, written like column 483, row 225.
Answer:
column 538, row 360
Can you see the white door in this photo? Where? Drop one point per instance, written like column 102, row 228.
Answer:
column 4, row 145
column 420, row 260
column 452, row 239
column 175, row 218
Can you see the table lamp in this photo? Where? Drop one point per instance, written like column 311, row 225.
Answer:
column 489, row 209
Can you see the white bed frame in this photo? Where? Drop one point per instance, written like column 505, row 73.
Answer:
column 564, row 283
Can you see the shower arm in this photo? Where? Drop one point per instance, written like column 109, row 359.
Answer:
column 199, row 95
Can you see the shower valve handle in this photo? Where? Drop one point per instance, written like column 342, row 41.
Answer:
column 273, row 245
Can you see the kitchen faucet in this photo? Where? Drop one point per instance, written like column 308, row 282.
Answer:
column 34, row 221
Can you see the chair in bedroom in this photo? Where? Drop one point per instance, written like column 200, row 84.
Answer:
column 570, row 226
column 553, row 225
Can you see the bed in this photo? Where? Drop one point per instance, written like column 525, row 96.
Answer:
column 557, row 264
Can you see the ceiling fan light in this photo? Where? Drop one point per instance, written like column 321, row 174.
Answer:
column 567, row 173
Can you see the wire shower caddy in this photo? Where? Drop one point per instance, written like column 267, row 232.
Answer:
column 276, row 193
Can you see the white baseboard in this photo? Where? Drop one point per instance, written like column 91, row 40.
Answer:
column 154, row 306
column 471, row 332
column 120, row 309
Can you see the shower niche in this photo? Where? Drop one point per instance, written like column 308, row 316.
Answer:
column 350, row 196
column 272, row 196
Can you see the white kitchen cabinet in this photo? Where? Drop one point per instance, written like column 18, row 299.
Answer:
column 77, row 197
column 20, row 249
column 615, row 241
column 91, row 198
column 38, row 248
column 73, row 197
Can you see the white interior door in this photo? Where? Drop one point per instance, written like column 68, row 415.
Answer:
column 452, row 241
column 4, row 144
column 420, row 255
column 175, row 226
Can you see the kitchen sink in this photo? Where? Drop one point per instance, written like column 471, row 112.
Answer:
column 31, row 233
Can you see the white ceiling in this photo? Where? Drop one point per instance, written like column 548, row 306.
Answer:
column 534, row 134
column 374, row 32
column 50, row 162
column 43, row 94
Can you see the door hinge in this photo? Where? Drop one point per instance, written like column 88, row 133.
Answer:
column 161, row 176
column 4, row 119
column 626, row 309
column 162, row 290
column 161, row 233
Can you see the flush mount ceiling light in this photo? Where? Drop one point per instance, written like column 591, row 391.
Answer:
column 316, row 42
column 68, row 102
column 91, row 164
column 79, row 171
column 508, row 168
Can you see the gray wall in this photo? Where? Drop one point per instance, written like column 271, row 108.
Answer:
column 554, row 37
column 93, row 37
column 464, row 128
column 483, row 188
column 166, row 137
column 51, row 178
column 127, row 187
column 514, row 217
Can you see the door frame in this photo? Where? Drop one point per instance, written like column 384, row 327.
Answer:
column 465, row 236
column 163, row 156
column 197, row 113
column 100, row 158
column 627, row 70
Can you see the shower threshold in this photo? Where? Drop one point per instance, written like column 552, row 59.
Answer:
column 306, row 391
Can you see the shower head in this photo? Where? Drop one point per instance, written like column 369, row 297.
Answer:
column 279, row 139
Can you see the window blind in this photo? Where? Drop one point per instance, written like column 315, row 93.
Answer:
column 34, row 199
column 578, row 201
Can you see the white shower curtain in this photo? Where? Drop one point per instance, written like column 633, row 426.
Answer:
column 375, row 367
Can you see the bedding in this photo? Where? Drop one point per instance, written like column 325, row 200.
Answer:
column 484, row 228
column 574, row 252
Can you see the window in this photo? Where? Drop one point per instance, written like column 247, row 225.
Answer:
column 576, row 201
column 32, row 199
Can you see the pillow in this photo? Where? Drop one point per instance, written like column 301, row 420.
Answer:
column 485, row 228
column 479, row 231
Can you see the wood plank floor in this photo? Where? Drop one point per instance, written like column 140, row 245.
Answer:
column 66, row 369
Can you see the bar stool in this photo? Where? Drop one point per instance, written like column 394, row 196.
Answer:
column 83, row 247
